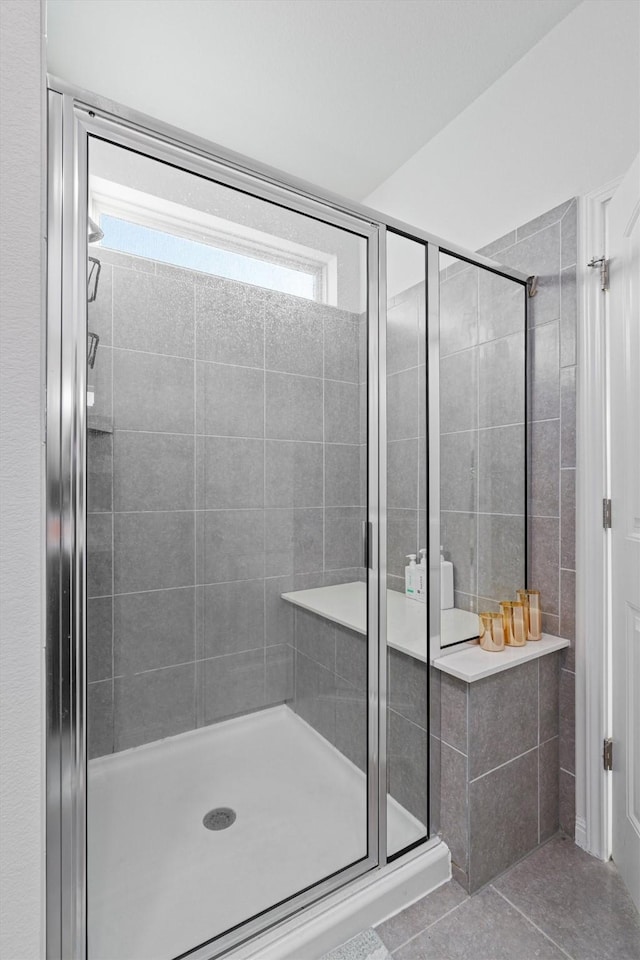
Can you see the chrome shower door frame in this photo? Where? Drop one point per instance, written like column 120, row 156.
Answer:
column 71, row 123
column 74, row 115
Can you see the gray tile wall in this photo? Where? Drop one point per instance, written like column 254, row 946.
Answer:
column 227, row 470
column 331, row 695
column 499, row 767
column 547, row 247
column 482, row 484
column 406, row 432
column 330, row 683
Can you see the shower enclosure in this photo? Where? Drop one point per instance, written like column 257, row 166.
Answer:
column 239, row 445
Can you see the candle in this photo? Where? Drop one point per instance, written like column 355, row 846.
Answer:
column 533, row 619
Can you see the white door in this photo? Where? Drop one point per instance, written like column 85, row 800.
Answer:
column 624, row 333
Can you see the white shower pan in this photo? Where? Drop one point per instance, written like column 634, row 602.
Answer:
column 160, row 882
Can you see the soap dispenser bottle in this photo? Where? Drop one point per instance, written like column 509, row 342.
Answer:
column 446, row 582
column 421, row 577
column 410, row 576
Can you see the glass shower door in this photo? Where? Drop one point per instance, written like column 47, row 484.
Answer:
column 229, row 751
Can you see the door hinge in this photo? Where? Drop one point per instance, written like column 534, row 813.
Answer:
column 603, row 263
column 607, row 754
column 606, row 514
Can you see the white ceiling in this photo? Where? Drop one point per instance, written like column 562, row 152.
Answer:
column 338, row 92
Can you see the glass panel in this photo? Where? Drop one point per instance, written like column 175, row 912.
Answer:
column 407, row 579
column 227, row 487
column 482, row 444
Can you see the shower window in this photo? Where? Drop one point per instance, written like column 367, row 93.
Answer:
column 217, row 240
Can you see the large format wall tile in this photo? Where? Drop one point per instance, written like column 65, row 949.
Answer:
column 458, row 471
column 458, row 392
column 99, row 472
column 294, row 336
column 501, row 381
column 501, row 480
column 153, row 551
column 407, row 765
column 402, row 335
column 153, row 629
column 549, row 789
column 100, row 643
column 230, row 473
column 459, row 312
column 501, row 307
column 548, row 696
column 454, row 713
column 544, row 439
column 500, row 555
column 342, row 347
column 503, row 717
column 293, row 407
column 141, row 705
column 152, row 392
column 152, row 313
column 342, row 474
column 229, row 322
column 230, row 400
column 293, row 474
column 278, row 673
column 544, row 369
column 454, row 810
column 153, row 471
column 99, row 554
column 230, row 685
column 100, row 718
column 341, row 412
column 315, row 695
column 230, row 545
column 230, row 617
column 407, row 688
column 503, row 818
column 403, row 417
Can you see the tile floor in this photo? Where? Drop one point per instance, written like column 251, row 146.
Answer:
column 557, row 903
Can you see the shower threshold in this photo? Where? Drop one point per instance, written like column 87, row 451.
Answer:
column 160, row 883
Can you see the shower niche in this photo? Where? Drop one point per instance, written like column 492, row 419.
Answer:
column 282, row 398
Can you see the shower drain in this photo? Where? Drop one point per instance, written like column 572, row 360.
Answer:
column 219, row 818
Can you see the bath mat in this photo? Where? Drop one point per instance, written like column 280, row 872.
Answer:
column 365, row 946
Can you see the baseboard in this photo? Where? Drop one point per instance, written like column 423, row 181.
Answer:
column 367, row 902
column 581, row 833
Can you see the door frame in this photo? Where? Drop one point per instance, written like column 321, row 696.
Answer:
column 593, row 582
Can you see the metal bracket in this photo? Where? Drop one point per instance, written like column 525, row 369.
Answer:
column 532, row 286
column 603, row 263
column 607, row 754
column 606, row 514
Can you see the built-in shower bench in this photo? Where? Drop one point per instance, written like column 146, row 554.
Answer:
column 345, row 603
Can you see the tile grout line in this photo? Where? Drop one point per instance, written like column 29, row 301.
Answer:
column 529, row 920
column 538, row 679
column 429, row 925
column 505, row 764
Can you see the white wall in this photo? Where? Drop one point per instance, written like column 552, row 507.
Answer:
column 560, row 123
column 21, row 686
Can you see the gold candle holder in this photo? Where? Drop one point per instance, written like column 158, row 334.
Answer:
column 491, row 631
column 515, row 634
column 533, row 613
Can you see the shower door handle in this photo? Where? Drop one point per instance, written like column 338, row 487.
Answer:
column 366, row 542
